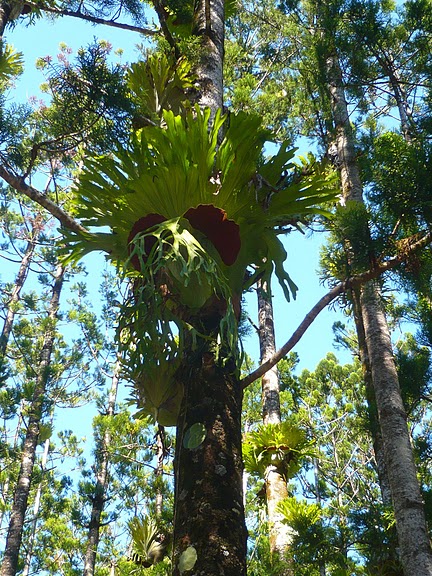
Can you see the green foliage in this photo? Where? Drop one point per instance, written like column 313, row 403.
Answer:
column 194, row 436
column 159, row 83
column 414, row 371
column 89, row 100
column 11, row 64
column 146, row 548
column 166, row 171
column 299, row 514
column 351, row 248
column 401, row 185
column 282, row 445
column 188, row 559
column 156, row 392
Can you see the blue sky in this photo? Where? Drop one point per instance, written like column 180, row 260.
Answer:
column 43, row 39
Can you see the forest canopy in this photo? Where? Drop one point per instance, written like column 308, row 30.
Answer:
column 163, row 205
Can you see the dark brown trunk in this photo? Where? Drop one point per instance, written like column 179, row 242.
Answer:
column 102, row 478
column 16, row 524
column 9, row 11
column 209, row 513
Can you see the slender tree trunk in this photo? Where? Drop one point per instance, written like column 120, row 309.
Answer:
column 209, row 513
column 5, row 490
column 280, row 534
column 36, row 507
column 414, row 542
column 321, row 562
column 374, row 426
column 160, row 456
column 399, row 93
column 19, row 283
column 16, row 525
column 102, row 479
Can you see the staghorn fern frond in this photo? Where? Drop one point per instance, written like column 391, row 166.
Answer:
column 11, row 64
column 146, row 549
column 187, row 218
column 160, row 83
column 299, row 514
column 282, row 445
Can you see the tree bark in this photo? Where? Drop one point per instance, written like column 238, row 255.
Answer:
column 160, row 457
column 209, row 25
column 16, row 525
column 280, row 534
column 9, row 11
column 19, row 283
column 209, row 513
column 36, row 506
column 374, row 426
column 414, row 542
column 102, row 478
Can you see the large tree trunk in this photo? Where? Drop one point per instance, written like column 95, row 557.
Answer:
column 16, row 525
column 414, row 542
column 9, row 11
column 102, row 478
column 209, row 513
column 280, row 534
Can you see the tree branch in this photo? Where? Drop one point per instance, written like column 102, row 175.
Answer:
column 352, row 282
column 162, row 15
column 297, row 334
column 94, row 19
column 18, row 184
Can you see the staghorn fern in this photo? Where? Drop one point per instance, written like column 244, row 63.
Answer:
column 283, row 445
column 146, row 546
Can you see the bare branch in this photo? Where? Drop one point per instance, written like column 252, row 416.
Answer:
column 94, row 20
column 357, row 280
column 303, row 326
column 63, row 217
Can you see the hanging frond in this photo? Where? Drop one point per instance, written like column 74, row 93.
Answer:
column 186, row 217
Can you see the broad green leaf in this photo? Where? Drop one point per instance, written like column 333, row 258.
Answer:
column 188, row 559
column 194, row 436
